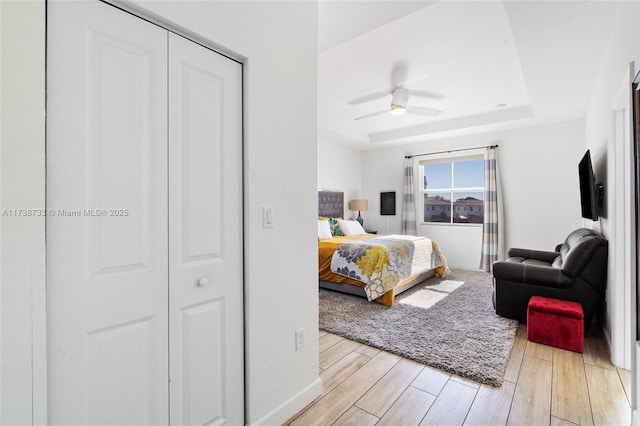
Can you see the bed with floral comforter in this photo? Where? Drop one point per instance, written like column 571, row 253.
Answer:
column 379, row 264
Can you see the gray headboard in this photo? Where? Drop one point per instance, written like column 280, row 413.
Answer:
column 330, row 204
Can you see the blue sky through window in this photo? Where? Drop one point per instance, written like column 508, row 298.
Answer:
column 438, row 175
column 466, row 174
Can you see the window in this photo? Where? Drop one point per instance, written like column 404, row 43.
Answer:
column 453, row 186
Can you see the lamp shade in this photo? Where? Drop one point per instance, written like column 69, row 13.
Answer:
column 360, row 205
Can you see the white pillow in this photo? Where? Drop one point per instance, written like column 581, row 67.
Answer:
column 351, row 227
column 324, row 231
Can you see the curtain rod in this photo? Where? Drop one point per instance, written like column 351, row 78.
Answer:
column 451, row 150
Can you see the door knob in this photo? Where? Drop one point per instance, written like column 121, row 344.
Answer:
column 203, row 282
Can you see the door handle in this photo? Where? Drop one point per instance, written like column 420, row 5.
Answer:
column 203, row 282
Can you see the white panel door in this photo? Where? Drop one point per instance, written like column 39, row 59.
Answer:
column 205, row 238
column 107, row 249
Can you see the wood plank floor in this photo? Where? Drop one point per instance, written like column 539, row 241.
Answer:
column 543, row 386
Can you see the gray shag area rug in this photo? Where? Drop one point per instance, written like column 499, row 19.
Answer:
column 447, row 323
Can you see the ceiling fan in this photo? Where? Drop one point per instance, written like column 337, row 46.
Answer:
column 399, row 100
column 400, row 95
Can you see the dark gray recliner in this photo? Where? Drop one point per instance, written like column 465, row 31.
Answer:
column 576, row 271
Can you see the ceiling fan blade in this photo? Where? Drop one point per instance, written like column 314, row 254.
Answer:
column 426, row 94
column 423, row 111
column 399, row 73
column 407, row 81
column 373, row 114
column 368, row 98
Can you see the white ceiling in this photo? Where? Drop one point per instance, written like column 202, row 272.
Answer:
column 486, row 64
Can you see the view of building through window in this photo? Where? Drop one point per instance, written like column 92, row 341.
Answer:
column 453, row 191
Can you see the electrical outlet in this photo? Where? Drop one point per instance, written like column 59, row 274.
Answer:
column 299, row 339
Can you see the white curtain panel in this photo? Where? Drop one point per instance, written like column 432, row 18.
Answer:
column 408, row 199
column 493, row 229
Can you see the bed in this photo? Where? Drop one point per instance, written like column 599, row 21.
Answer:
column 372, row 266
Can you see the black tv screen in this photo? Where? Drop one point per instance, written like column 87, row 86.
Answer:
column 588, row 188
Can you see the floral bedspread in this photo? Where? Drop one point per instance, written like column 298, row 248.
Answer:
column 382, row 263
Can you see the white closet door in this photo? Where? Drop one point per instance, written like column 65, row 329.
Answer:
column 205, row 238
column 107, row 283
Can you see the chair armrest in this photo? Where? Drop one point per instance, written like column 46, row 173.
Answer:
column 545, row 256
column 530, row 274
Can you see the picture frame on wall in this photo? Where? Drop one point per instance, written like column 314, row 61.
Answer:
column 388, row 203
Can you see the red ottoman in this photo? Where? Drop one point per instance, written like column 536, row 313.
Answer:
column 556, row 323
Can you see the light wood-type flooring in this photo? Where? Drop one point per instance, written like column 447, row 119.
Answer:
column 543, row 386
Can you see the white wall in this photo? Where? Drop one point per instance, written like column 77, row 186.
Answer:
column 340, row 169
column 539, row 167
column 280, row 160
column 461, row 245
column 623, row 48
column 22, row 263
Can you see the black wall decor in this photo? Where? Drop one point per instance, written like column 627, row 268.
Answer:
column 388, row 203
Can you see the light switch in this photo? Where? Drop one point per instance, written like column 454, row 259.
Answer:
column 268, row 217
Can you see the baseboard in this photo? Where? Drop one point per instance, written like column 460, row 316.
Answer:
column 292, row 406
column 464, row 267
column 607, row 338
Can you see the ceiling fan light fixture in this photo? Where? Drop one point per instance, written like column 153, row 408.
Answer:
column 399, row 100
column 398, row 109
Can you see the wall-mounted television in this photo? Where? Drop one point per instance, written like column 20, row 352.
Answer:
column 590, row 191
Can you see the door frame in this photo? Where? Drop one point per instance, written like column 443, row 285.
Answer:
column 634, row 235
column 621, row 208
column 23, row 268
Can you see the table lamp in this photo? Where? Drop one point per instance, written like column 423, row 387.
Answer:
column 360, row 205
